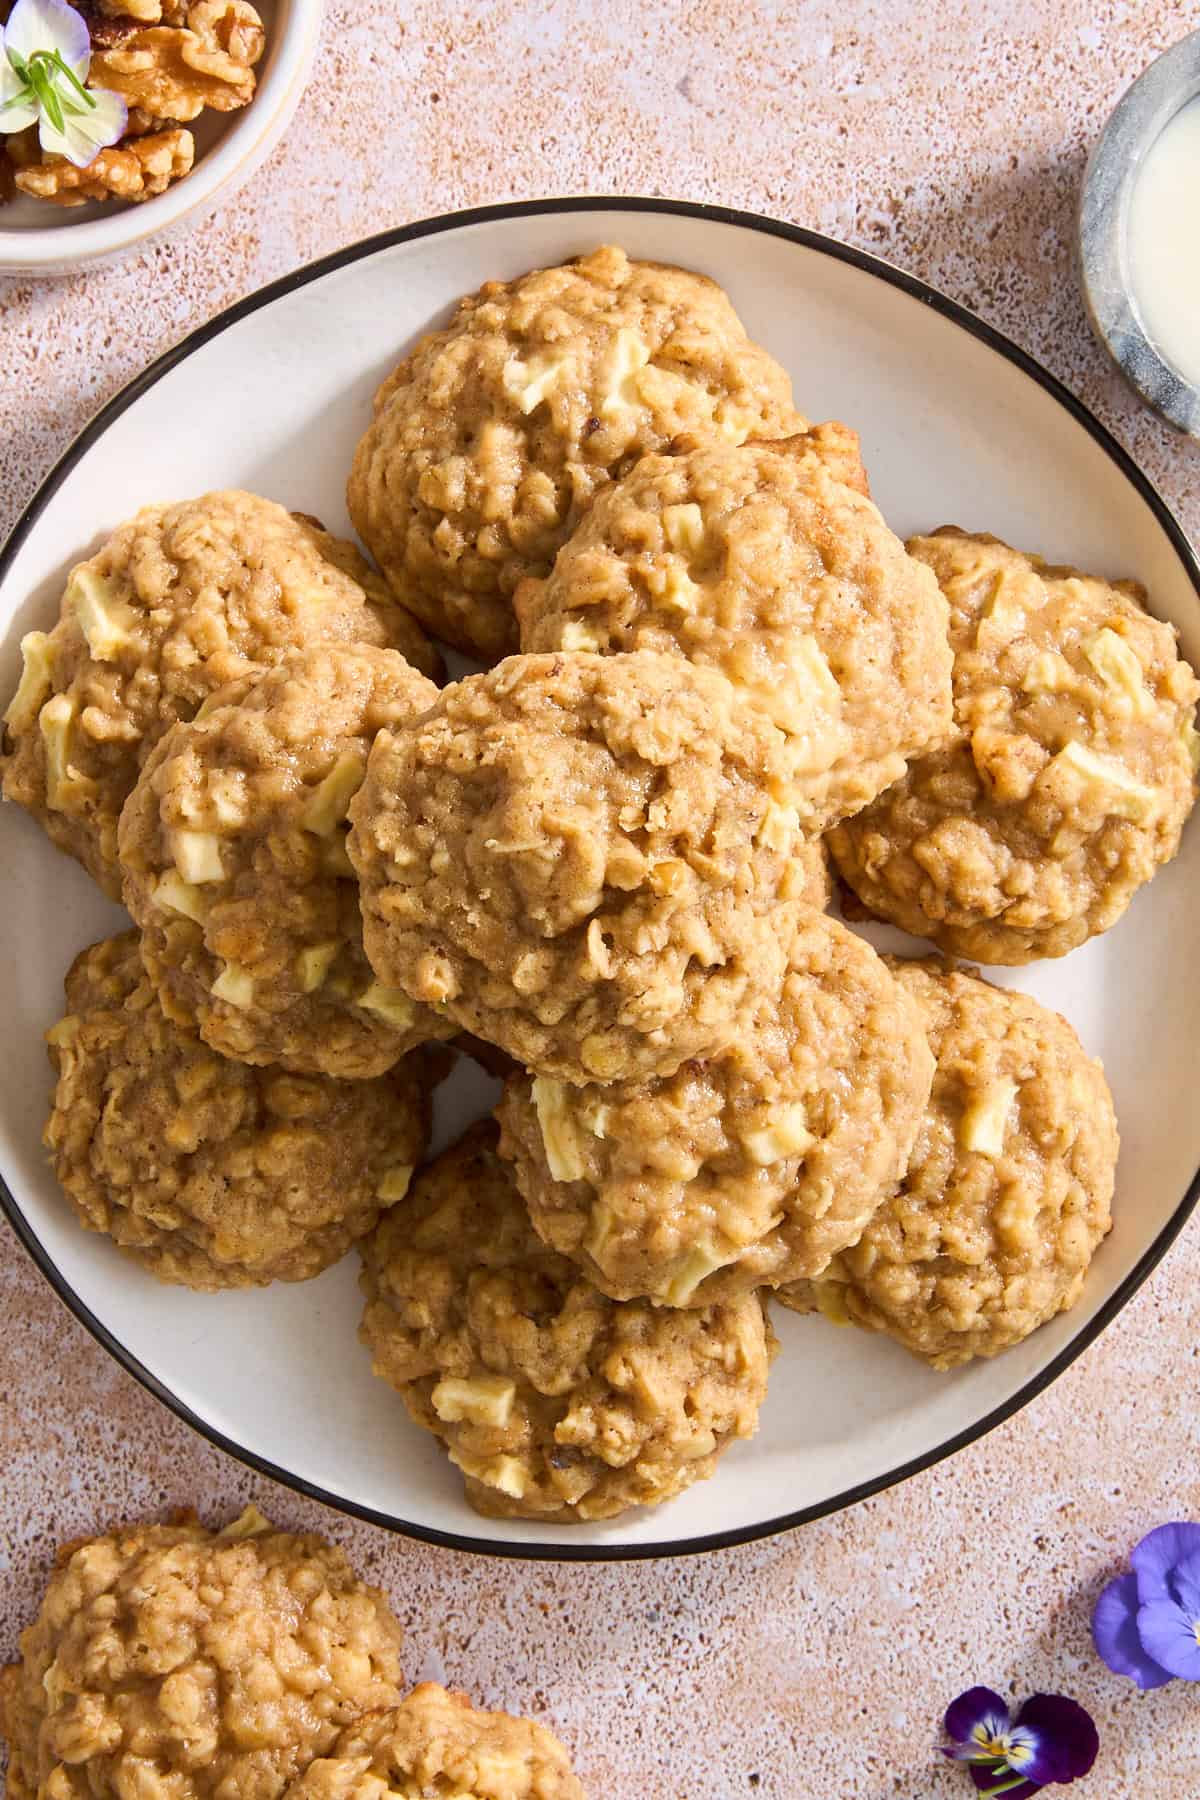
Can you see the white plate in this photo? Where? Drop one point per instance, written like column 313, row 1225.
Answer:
column 957, row 425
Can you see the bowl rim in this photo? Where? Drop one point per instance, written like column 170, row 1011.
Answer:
column 1110, row 177
column 915, row 288
column 252, row 135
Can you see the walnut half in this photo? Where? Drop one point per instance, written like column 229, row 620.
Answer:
column 172, row 73
column 146, row 12
column 135, row 170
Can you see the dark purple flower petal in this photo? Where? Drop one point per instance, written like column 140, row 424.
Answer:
column 1159, row 1552
column 978, row 1709
column 987, row 1779
column 1168, row 1634
column 1115, row 1634
column 1065, row 1740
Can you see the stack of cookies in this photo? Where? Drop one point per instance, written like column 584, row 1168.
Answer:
column 169, row 1660
column 708, row 666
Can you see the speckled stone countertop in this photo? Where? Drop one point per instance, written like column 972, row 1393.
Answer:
column 950, row 137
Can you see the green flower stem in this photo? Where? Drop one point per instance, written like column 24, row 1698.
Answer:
column 42, row 83
column 1004, row 1788
column 65, row 69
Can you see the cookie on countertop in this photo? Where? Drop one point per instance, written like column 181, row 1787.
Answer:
column 1069, row 777
column 1008, row 1190
column 758, row 560
column 576, row 856
column 554, row 1401
column 179, row 601
column 233, row 851
column 208, row 1172
column 492, row 436
column 437, row 1743
column 744, row 1170
column 172, row 1660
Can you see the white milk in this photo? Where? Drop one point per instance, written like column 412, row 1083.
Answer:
column 1164, row 242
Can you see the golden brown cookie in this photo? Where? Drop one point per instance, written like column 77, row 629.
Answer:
column 747, row 1169
column 555, row 1402
column 437, row 1744
column 1070, row 775
column 233, row 849
column 492, row 437
column 167, row 1660
column 757, row 560
column 179, row 601
column 1008, row 1189
column 208, row 1172
column 576, row 857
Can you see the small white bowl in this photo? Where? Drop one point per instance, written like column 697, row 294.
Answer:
column 39, row 239
column 1140, row 118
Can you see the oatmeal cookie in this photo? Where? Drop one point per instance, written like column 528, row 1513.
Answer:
column 180, row 600
column 491, row 438
column 756, row 560
column 209, row 1173
column 747, row 1170
column 555, row 1402
column 233, row 850
column 174, row 1663
column 1008, row 1190
column 437, row 1743
column 1068, row 780
column 574, row 856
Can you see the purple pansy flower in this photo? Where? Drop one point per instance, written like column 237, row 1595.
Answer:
column 45, row 54
column 1052, row 1740
column 1147, row 1624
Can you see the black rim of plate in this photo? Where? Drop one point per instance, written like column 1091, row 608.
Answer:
column 531, row 1551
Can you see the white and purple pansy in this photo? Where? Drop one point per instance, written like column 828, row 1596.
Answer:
column 45, row 54
column 1147, row 1624
column 1050, row 1741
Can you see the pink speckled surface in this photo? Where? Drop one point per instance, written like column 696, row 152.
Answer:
column 949, row 137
